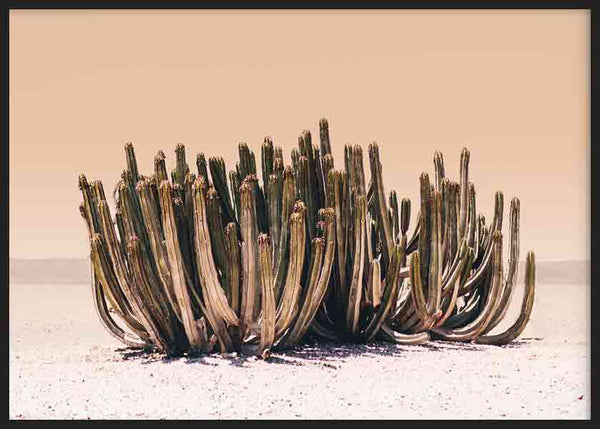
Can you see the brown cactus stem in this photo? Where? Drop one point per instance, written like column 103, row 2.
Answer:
column 267, row 157
column 218, row 174
column 233, row 265
column 435, row 267
column 473, row 329
column 340, row 233
column 417, row 287
column 464, row 192
column 513, row 262
column 315, row 297
column 131, row 162
column 201, row 166
column 479, row 274
column 267, row 332
column 519, row 325
column 157, row 321
column 119, row 302
column 108, row 322
column 249, row 253
column 282, row 253
column 455, row 283
column 390, row 295
column 382, row 219
column 388, row 334
column 316, row 262
column 158, row 248
column 440, row 172
column 118, row 262
column 217, row 237
column 274, row 193
column 450, row 225
column 89, row 205
column 356, row 280
column 425, row 232
column 324, row 137
column 413, row 242
column 287, row 307
column 180, row 283
column 215, row 299
column 394, row 216
column 235, row 184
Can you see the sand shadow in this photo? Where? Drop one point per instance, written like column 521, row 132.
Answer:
column 324, row 354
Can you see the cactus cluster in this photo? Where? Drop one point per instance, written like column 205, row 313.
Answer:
column 194, row 262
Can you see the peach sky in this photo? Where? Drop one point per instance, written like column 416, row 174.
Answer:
column 513, row 86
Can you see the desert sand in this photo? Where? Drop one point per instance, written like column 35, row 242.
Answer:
column 64, row 365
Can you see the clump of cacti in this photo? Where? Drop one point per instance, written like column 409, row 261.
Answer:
column 215, row 259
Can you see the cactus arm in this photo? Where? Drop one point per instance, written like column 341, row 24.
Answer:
column 464, row 192
column 117, row 298
column 519, row 325
column 233, row 265
column 107, row 321
column 512, row 267
column 356, row 286
column 389, row 297
column 388, row 334
column 473, row 329
column 267, row 332
column 177, row 269
column 158, row 249
column 325, row 274
column 287, row 207
column 214, row 297
column 316, row 261
column 466, row 260
column 379, row 193
column 440, row 172
column 218, row 175
column 288, row 305
column 249, row 253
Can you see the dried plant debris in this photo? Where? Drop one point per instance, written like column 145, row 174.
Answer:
column 197, row 262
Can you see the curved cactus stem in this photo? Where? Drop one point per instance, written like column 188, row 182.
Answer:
column 218, row 174
column 108, row 322
column 379, row 193
column 281, row 253
column 249, row 253
column 519, row 325
column 316, row 261
column 99, row 264
column 180, row 283
column 388, row 334
column 158, row 247
column 232, row 248
column 456, row 282
column 513, row 263
column 416, row 290
column 220, row 315
column 356, row 284
column 288, row 305
column 314, row 299
column 267, row 332
column 478, row 276
column 390, row 295
column 473, row 329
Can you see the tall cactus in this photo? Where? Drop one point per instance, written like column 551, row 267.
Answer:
column 194, row 261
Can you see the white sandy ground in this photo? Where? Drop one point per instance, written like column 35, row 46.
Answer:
column 63, row 365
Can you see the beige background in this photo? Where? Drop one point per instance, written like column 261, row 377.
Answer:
column 513, row 86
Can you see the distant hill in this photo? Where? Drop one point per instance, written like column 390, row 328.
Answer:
column 78, row 271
